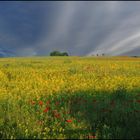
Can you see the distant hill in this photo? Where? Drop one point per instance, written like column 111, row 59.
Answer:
column 6, row 53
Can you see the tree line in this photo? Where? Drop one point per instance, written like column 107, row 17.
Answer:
column 57, row 53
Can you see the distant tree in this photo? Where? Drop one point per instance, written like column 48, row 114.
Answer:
column 103, row 54
column 57, row 53
column 134, row 56
column 64, row 54
column 97, row 54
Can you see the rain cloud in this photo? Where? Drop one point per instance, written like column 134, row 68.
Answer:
column 79, row 27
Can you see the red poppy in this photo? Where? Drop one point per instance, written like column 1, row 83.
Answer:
column 79, row 120
column 136, row 111
column 138, row 101
column 57, row 103
column 91, row 137
column 46, row 109
column 57, row 115
column 40, row 103
column 32, row 102
column 94, row 101
column 69, row 121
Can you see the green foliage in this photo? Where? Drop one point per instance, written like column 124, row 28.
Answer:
column 64, row 54
column 57, row 53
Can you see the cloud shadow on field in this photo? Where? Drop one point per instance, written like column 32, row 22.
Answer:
column 96, row 113
column 108, row 115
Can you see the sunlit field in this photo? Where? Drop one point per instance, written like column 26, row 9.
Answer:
column 70, row 97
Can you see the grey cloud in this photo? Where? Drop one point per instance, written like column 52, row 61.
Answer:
column 81, row 28
column 86, row 28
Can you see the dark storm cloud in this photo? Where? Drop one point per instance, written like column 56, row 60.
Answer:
column 20, row 24
column 81, row 28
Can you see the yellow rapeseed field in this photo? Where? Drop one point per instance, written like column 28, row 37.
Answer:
column 68, row 97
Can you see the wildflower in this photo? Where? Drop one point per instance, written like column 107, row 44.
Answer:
column 136, row 111
column 91, row 137
column 57, row 103
column 94, row 101
column 57, row 115
column 69, row 121
column 79, row 120
column 40, row 103
column 138, row 101
column 32, row 102
column 46, row 109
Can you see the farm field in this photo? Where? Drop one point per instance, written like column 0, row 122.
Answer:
column 70, row 97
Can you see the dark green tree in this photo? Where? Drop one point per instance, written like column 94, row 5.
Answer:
column 57, row 53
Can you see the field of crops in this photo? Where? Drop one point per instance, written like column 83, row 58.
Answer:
column 70, row 97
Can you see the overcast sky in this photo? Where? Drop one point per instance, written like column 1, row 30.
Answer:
column 78, row 27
